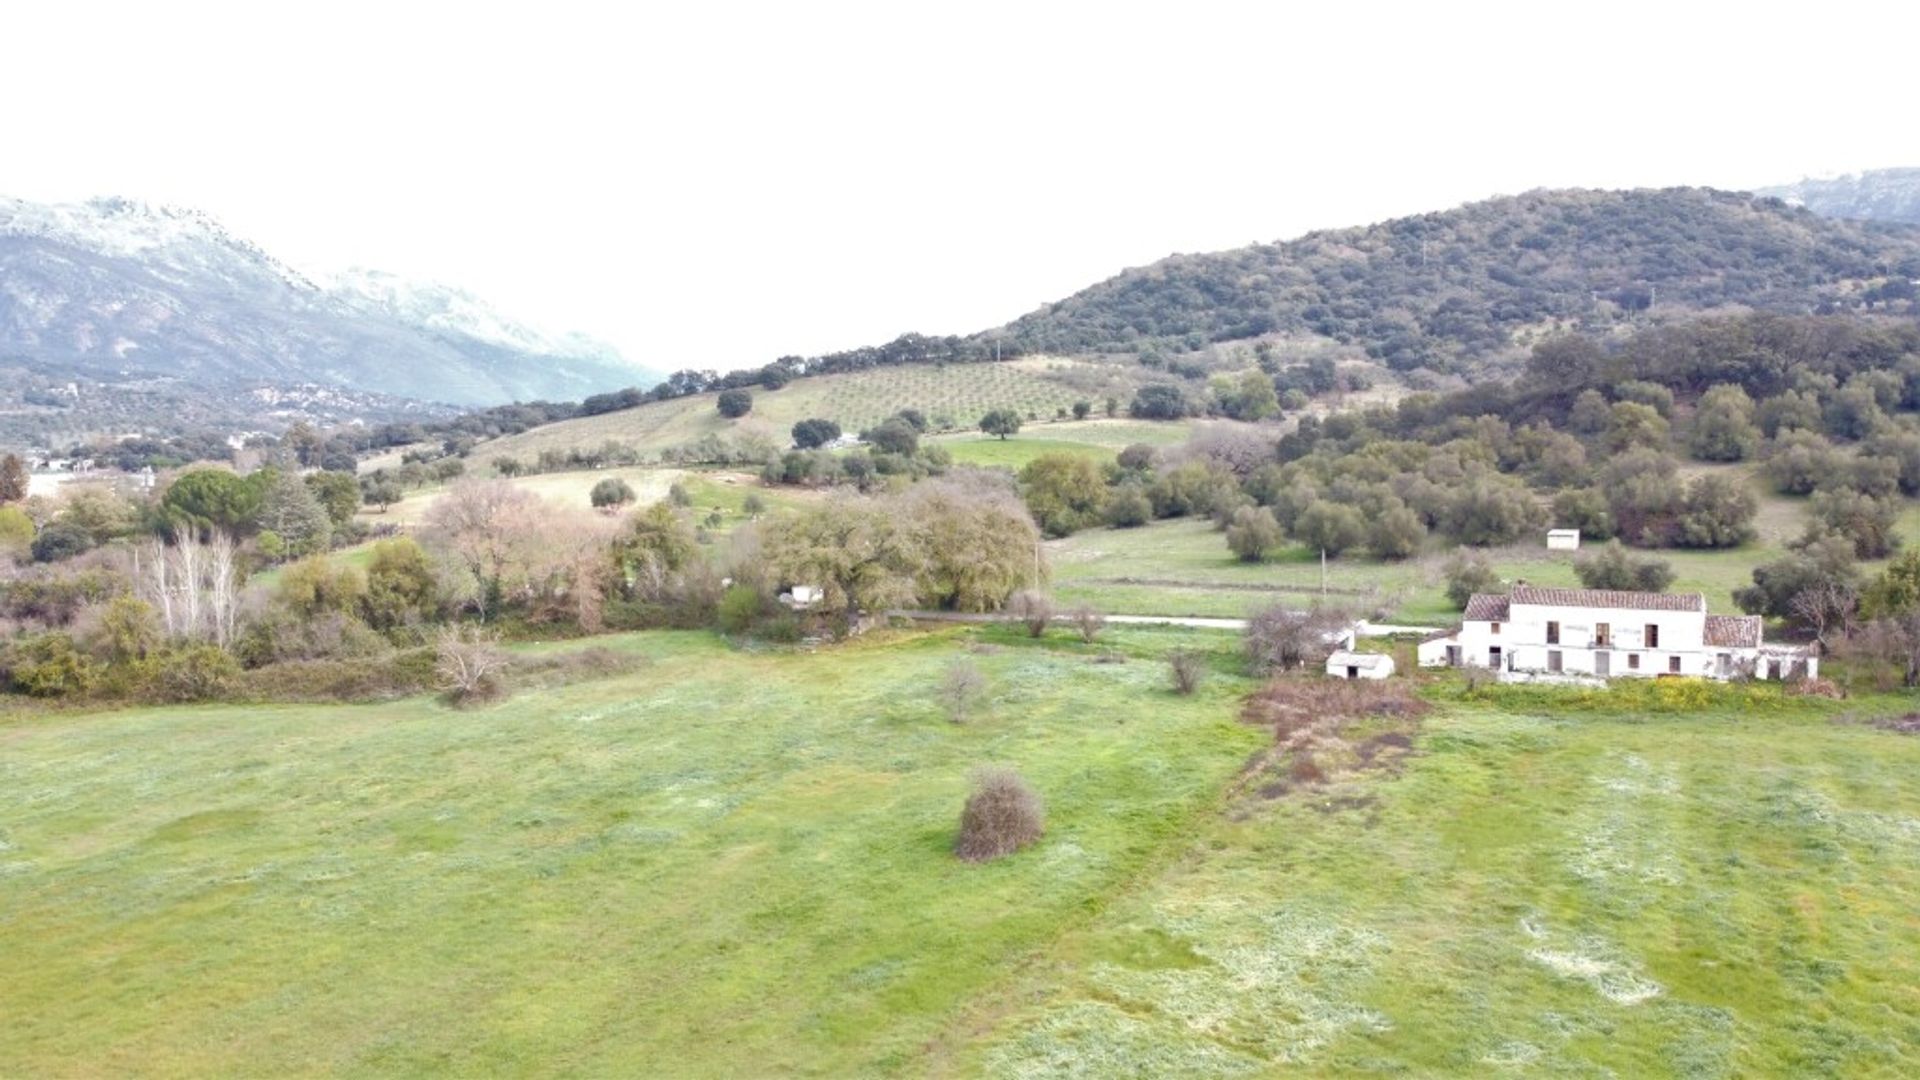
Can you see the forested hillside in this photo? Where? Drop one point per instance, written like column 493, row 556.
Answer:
column 1446, row 290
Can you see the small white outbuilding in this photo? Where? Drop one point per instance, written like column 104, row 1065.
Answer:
column 1344, row 664
column 1563, row 539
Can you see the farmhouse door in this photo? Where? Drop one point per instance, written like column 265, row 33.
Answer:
column 1493, row 658
column 1603, row 664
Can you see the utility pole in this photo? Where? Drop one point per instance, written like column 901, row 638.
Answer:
column 1323, row 574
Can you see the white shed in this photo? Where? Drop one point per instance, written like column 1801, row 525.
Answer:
column 1359, row 665
column 1563, row 539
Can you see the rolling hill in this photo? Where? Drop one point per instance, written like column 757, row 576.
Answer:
column 951, row 395
column 1447, row 291
column 111, row 287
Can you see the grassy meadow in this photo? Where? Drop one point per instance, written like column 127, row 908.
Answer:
column 727, row 864
column 736, row 863
column 1099, row 439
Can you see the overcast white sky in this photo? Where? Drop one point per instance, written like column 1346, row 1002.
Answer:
column 714, row 185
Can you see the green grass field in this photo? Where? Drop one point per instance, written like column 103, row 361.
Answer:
column 1183, row 567
column 953, row 395
column 1718, row 894
column 728, row 864
column 1100, row 439
column 735, row 864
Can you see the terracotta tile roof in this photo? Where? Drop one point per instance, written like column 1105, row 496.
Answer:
column 1733, row 631
column 1608, row 598
column 1487, row 607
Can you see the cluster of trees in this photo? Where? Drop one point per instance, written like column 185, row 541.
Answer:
column 962, row 542
column 175, row 609
column 285, row 514
column 894, row 453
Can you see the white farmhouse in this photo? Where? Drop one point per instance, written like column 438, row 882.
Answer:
column 1599, row 633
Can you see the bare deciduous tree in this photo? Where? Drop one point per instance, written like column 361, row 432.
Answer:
column 962, row 689
column 468, row 665
column 1089, row 623
column 192, row 584
column 1828, row 608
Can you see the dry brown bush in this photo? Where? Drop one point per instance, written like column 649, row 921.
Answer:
column 1003, row 815
column 1815, row 687
column 1188, row 670
column 1033, row 608
column 1089, row 623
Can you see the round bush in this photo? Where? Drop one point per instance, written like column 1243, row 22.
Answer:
column 1002, row 816
column 734, row 404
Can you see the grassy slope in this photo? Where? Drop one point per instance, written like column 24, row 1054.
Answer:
column 959, row 394
column 728, row 864
column 1708, row 895
column 711, row 489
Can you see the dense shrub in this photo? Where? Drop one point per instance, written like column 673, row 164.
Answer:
column 1002, row 815
column 811, row 433
column 1468, row 574
column 48, row 665
column 1613, row 568
column 196, row 673
column 1253, row 533
column 611, row 494
column 1064, row 492
column 734, row 404
column 1128, row 507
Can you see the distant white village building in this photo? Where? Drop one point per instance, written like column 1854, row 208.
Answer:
column 1563, row 539
column 1581, row 635
column 1344, row 664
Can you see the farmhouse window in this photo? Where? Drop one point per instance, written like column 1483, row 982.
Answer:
column 1496, row 628
column 1553, row 633
column 1602, row 635
column 1653, row 636
column 1673, row 664
column 1633, row 661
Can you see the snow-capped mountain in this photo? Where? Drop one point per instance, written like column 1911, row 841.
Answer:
column 1876, row 195
column 112, row 284
column 449, row 309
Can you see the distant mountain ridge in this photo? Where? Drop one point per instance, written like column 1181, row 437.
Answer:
column 113, row 285
column 1875, row 195
column 1449, row 290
